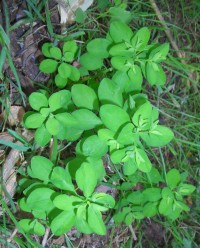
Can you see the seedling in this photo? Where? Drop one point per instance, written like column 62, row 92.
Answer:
column 58, row 61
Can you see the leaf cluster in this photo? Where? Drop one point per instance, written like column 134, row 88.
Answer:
column 167, row 201
column 62, row 198
column 109, row 119
column 129, row 54
column 58, row 62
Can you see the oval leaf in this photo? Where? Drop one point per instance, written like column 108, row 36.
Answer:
column 84, row 97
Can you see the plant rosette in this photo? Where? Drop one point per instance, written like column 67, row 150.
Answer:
column 129, row 53
column 51, row 197
column 59, row 61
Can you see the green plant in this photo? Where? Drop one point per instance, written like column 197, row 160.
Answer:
column 58, row 61
column 130, row 54
column 64, row 208
column 153, row 200
column 108, row 118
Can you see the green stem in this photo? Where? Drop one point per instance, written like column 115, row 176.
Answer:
column 54, row 150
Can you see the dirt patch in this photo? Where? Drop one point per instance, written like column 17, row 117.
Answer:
column 154, row 234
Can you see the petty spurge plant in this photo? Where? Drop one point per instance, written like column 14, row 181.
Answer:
column 111, row 122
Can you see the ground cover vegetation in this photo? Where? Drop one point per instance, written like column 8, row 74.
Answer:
column 102, row 155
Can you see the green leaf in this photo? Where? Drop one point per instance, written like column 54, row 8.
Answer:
column 86, row 179
column 87, row 119
column 60, row 82
column 37, row 228
column 74, row 164
column 140, row 39
column 98, row 47
column 25, row 225
column 102, row 4
column 165, row 206
column 120, row 14
column 62, row 179
column 80, row 15
column 152, row 194
column 103, row 199
column 64, row 70
column 69, row 133
column 119, row 63
column 120, row 216
column 118, row 155
column 129, row 167
column 126, row 135
column 128, row 219
column 122, row 80
column 110, row 92
column 67, row 203
column 68, row 57
column 39, row 214
column 48, row 66
column 91, row 62
column 32, row 227
column 173, row 178
column 68, row 127
column 135, row 74
column 23, row 205
column 67, row 120
column 142, row 161
column 95, row 221
column 38, row 100
column 46, row 49
column 159, row 53
column 98, row 166
column 42, row 136
column 45, row 112
column 62, row 223
column 145, row 117
column 186, row 189
column 93, row 146
column 52, row 125
column 150, row 209
column 55, row 53
column 106, row 134
column 155, row 74
column 34, row 120
column 70, row 46
column 119, row 32
column 81, row 220
column 40, row 198
column 167, row 193
column 159, row 136
column 121, row 50
column 75, row 74
column 41, row 167
column 84, row 97
column 60, row 100
column 138, row 215
column 181, row 205
column 135, row 197
column 113, row 117
column 154, row 176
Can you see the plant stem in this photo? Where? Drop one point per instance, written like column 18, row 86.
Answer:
column 132, row 232
column 54, row 149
